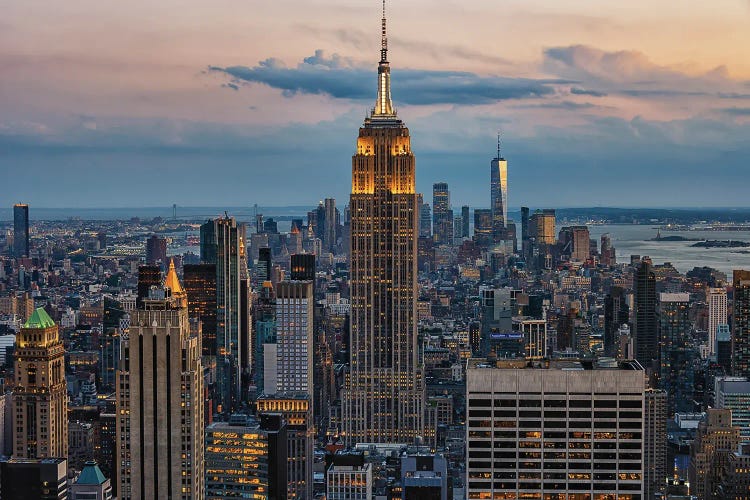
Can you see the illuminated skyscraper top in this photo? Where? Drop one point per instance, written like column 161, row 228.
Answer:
column 499, row 193
column 384, row 106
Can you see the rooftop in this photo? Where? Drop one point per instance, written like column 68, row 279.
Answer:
column 554, row 364
column 39, row 319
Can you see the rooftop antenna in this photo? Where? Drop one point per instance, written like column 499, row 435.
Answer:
column 383, row 39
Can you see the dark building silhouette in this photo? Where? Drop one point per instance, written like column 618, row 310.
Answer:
column 156, row 250
column 148, row 276
column 645, row 318
column 21, row 230
column 33, row 479
column 303, row 267
column 741, row 324
column 199, row 281
column 616, row 312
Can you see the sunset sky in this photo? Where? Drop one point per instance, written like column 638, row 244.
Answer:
column 235, row 102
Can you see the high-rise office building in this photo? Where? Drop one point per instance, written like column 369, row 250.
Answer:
column 303, row 267
column 160, row 400
column 654, row 442
column 148, row 276
column 21, row 230
column 607, row 252
column 200, row 285
column 733, row 393
column 715, row 440
column 330, row 225
column 442, row 215
column 576, row 243
column 465, row 222
column 483, row 227
column 40, row 398
column 424, row 476
column 616, row 312
column 295, row 303
column 34, row 478
column 577, row 422
column 296, row 410
column 499, row 194
column 717, row 315
column 677, row 358
column 156, row 250
column 645, row 318
column 349, row 477
column 383, row 397
column 220, row 241
column 425, row 220
column 724, row 348
column 246, row 458
column 741, row 324
column 542, row 226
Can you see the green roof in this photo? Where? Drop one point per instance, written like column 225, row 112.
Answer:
column 39, row 319
column 91, row 474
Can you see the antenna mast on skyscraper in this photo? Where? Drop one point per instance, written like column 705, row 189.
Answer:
column 498, row 145
column 383, row 39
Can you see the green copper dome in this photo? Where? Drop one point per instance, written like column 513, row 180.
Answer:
column 39, row 319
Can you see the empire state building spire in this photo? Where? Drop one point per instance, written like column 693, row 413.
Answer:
column 384, row 105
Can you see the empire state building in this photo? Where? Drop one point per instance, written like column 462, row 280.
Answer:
column 384, row 390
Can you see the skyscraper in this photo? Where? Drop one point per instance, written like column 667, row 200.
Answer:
column 616, row 312
column 717, row 315
column 220, row 245
column 499, row 194
column 330, row 225
column 20, row 230
column 294, row 336
column 156, row 250
column 465, row 221
column 483, row 227
column 677, row 354
column 40, row 427
column 645, row 319
column 425, row 220
column 200, row 286
column 741, row 325
column 542, row 226
column 442, row 215
column 159, row 400
column 384, row 390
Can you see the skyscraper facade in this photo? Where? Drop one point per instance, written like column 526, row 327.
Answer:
column 645, row 318
column 384, row 390
column 21, row 230
column 220, row 245
column 442, row 215
column 616, row 312
column 156, row 250
column 499, row 194
column 40, row 426
column 200, row 286
column 330, row 225
column 294, row 336
column 159, row 400
column 717, row 315
column 425, row 221
column 741, row 324
column 465, row 222
column 677, row 358
column 542, row 226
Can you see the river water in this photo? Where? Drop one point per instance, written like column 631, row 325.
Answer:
column 629, row 239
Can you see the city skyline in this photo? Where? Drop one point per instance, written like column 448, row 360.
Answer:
column 585, row 100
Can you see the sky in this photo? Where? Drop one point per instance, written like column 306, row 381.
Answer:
column 231, row 103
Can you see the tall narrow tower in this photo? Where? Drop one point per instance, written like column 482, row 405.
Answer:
column 159, row 400
column 384, row 390
column 499, row 194
column 40, row 426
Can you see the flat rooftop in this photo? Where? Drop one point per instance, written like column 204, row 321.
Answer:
column 554, row 364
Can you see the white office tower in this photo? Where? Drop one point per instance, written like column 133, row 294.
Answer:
column 717, row 315
column 554, row 429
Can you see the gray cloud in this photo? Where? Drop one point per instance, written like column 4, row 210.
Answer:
column 736, row 111
column 342, row 78
column 592, row 93
column 561, row 105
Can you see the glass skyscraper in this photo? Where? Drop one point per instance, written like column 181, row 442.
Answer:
column 20, row 230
